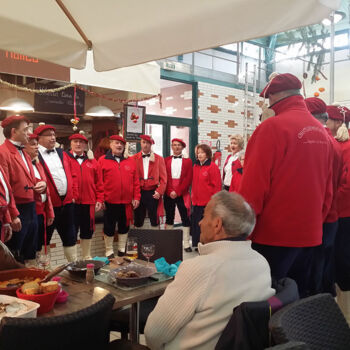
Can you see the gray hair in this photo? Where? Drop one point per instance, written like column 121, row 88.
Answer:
column 238, row 217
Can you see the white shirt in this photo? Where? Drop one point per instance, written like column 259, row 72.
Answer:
column 80, row 160
column 55, row 166
column 176, row 165
column 16, row 143
column 228, row 169
column 37, row 175
column 145, row 161
column 196, row 306
column 7, row 194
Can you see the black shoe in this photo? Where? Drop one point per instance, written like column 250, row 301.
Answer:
column 196, row 249
column 188, row 250
column 109, row 257
column 120, row 253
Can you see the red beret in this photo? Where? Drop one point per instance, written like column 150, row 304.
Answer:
column 281, row 82
column 117, row 138
column 40, row 129
column 338, row 113
column 315, row 105
column 179, row 140
column 78, row 137
column 33, row 137
column 13, row 118
column 147, row 138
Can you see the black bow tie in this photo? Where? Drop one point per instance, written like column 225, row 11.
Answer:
column 145, row 155
column 177, row 157
column 19, row 147
column 117, row 157
column 79, row 157
column 50, row 150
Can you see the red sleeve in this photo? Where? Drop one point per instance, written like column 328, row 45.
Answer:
column 259, row 161
column 48, row 206
column 98, row 182
column 12, row 210
column 162, row 177
column 74, row 179
column 137, row 188
column 186, row 183
column 7, row 217
column 215, row 178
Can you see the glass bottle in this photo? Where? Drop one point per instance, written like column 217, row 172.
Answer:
column 90, row 273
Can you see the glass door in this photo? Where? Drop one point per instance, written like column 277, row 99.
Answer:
column 157, row 133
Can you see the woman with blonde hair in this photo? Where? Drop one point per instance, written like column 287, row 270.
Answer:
column 236, row 145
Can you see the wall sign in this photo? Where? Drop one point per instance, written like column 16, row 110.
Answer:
column 134, row 122
column 59, row 102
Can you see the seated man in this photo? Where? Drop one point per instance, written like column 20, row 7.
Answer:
column 196, row 307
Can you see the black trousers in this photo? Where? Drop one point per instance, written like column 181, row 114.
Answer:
column 342, row 254
column 169, row 206
column 64, row 224
column 41, row 231
column 84, row 221
column 24, row 242
column 149, row 204
column 197, row 216
column 114, row 213
column 322, row 276
column 288, row 262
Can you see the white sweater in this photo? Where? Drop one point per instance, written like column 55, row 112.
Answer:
column 197, row 305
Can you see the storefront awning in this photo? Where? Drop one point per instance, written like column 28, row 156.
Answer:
column 128, row 32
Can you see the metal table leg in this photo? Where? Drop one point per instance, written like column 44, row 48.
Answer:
column 134, row 323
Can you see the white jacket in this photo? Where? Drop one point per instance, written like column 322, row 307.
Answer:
column 197, row 305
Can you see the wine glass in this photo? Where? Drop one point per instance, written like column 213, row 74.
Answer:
column 147, row 251
column 43, row 260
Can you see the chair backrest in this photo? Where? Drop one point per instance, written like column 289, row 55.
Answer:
column 248, row 325
column 83, row 329
column 168, row 243
column 316, row 321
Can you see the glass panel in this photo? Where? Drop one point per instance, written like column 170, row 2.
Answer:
column 176, row 100
column 156, row 131
column 181, row 132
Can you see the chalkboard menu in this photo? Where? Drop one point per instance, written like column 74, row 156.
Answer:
column 58, row 102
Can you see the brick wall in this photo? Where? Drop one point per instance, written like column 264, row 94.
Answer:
column 220, row 115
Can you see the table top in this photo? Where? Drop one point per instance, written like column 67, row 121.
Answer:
column 82, row 295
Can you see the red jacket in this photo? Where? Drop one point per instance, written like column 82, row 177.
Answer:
column 45, row 207
column 337, row 178
column 72, row 191
column 6, row 208
column 206, row 182
column 343, row 201
column 236, row 178
column 17, row 174
column 88, row 179
column 288, row 176
column 157, row 176
column 185, row 177
column 120, row 180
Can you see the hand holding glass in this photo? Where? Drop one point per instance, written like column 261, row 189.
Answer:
column 147, row 251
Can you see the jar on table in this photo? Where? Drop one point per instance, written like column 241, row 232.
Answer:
column 90, row 273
